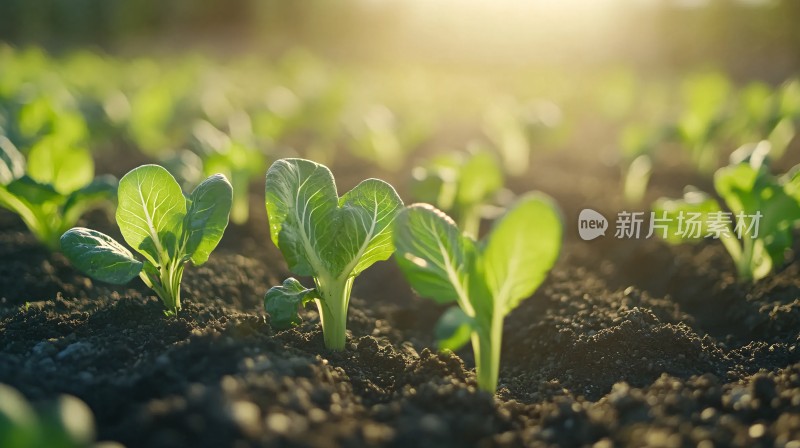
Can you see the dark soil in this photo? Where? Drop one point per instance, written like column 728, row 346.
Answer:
column 628, row 342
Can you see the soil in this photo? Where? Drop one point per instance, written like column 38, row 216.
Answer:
column 628, row 342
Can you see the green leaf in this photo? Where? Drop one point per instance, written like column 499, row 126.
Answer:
column 433, row 254
column 781, row 136
column 150, row 212
column 479, row 178
column 102, row 189
column 282, row 303
column 99, row 256
column 67, row 169
column 675, row 215
column 207, row 218
column 318, row 233
column 33, row 192
column 12, row 162
column 454, row 329
column 368, row 212
column 521, row 249
column 301, row 201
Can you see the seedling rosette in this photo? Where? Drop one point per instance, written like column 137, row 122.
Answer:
column 762, row 211
column 167, row 228
column 53, row 188
column 486, row 279
column 326, row 237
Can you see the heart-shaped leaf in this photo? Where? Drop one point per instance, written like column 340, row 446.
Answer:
column 321, row 235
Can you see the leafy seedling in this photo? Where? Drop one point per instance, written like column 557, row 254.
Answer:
column 167, row 228
column 326, row 237
column 53, row 188
column 460, row 184
column 486, row 279
column 762, row 210
column 705, row 97
column 240, row 161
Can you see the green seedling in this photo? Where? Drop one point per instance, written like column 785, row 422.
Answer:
column 705, row 98
column 504, row 126
column 459, row 184
column 326, row 237
column 381, row 137
column 239, row 161
column 52, row 189
column 637, row 143
column 66, row 423
column 765, row 114
column 752, row 195
column 167, row 228
column 486, row 279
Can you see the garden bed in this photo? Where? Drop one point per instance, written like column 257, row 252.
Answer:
column 627, row 342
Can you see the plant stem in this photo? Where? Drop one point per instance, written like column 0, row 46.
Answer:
column 171, row 276
column 471, row 221
column 335, row 299
column 486, row 344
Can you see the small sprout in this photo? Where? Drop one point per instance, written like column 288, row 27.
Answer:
column 752, row 195
column 459, row 184
column 52, row 189
column 329, row 238
column 637, row 143
column 167, row 228
column 486, row 279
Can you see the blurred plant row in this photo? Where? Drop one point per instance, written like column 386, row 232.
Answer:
column 459, row 136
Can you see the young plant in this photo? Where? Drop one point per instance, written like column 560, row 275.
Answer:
column 486, row 279
column 459, row 184
column 162, row 224
column 705, row 97
column 326, row 237
column 762, row 211
column 52, row 189
column 217, row 152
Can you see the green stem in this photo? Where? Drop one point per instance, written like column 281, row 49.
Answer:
column 171, row 276
column 486, row 344
column 333, row 304
column 471, row 221
column 744, row 265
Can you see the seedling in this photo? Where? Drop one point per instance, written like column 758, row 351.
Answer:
column 167, row 228
column 460, row 184
column 750, row 192
column 705, row 97
column 382, row 138
column 486, row 279
column 637, row 143
column 238, row 160
column 329, row 238
column 52, row 189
